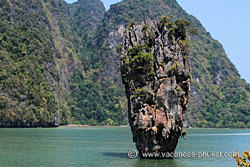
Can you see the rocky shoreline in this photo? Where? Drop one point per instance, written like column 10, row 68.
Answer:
column 27, row 125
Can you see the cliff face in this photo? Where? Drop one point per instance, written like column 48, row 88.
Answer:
column 87, row 15
column 29, row 84
column 156, row 72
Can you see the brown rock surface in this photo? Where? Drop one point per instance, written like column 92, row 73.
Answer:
column 156, row 73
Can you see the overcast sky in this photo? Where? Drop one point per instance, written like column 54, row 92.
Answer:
column 228, row 21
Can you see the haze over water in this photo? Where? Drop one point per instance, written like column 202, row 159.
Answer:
column 108, row 147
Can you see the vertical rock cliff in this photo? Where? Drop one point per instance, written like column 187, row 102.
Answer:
column 156, row 73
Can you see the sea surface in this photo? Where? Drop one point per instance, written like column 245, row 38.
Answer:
column 108, row 147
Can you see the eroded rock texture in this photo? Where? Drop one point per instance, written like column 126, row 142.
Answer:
column 156, row 73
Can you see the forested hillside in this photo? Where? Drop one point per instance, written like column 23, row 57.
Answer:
column 59, row 64
column 39, row 47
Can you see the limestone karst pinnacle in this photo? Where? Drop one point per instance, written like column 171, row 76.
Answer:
column 156, row 73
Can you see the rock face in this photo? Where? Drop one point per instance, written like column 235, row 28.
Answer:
column 156, row 73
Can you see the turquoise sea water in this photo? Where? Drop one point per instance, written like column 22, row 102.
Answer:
column 108, row 147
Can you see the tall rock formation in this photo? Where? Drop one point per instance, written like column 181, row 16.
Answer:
column 156, row 72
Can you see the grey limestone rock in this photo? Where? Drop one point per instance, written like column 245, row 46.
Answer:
column 156, row 73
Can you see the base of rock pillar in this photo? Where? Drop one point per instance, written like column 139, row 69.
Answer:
column 155, row 146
